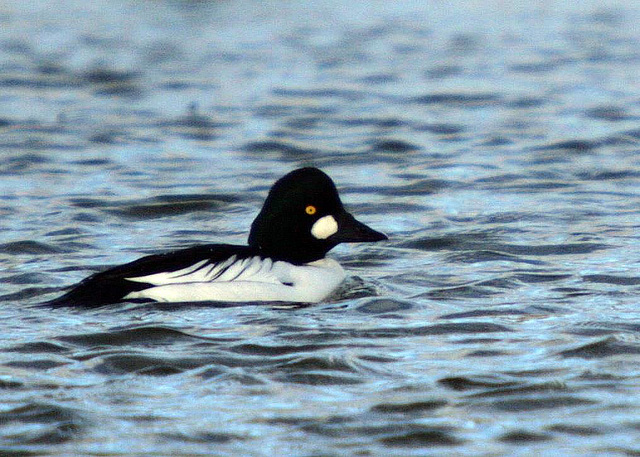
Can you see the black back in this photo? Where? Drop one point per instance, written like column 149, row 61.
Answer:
column 111, row 286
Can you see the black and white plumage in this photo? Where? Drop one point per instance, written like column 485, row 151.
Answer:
column 301, row 220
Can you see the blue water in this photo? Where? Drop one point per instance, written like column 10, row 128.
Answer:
column 496, row 143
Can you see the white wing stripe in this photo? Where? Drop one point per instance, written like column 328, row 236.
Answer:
column 168, row 277
column 228, row 270
column 186, row 271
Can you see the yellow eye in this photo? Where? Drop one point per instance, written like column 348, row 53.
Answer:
column 310, row 210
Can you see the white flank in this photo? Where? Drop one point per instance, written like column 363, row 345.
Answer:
column 251, row 279
column 324, row 227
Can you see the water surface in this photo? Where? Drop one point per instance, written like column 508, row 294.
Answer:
column 496, row 144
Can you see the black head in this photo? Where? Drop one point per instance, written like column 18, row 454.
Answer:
column 303, row 218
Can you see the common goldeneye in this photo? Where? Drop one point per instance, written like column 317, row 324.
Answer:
column 301, row 220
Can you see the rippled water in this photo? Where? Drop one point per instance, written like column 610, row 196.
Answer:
column 496, row 143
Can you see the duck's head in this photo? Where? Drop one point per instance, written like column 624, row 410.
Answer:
column 303, row 218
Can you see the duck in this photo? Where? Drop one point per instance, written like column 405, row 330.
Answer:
column 301, row 220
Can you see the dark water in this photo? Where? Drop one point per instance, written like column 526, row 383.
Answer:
column 495, row 142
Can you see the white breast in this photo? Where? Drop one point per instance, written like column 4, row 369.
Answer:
column 250, row 279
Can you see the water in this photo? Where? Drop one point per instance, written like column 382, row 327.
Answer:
column 495, row 143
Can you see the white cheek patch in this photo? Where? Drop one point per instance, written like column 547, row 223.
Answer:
column 324, row 227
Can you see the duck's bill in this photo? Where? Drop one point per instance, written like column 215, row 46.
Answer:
column 351, row 230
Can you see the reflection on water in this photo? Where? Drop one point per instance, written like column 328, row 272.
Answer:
column 496, row 144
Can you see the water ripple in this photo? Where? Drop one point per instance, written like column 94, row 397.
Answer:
column 497, row 151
